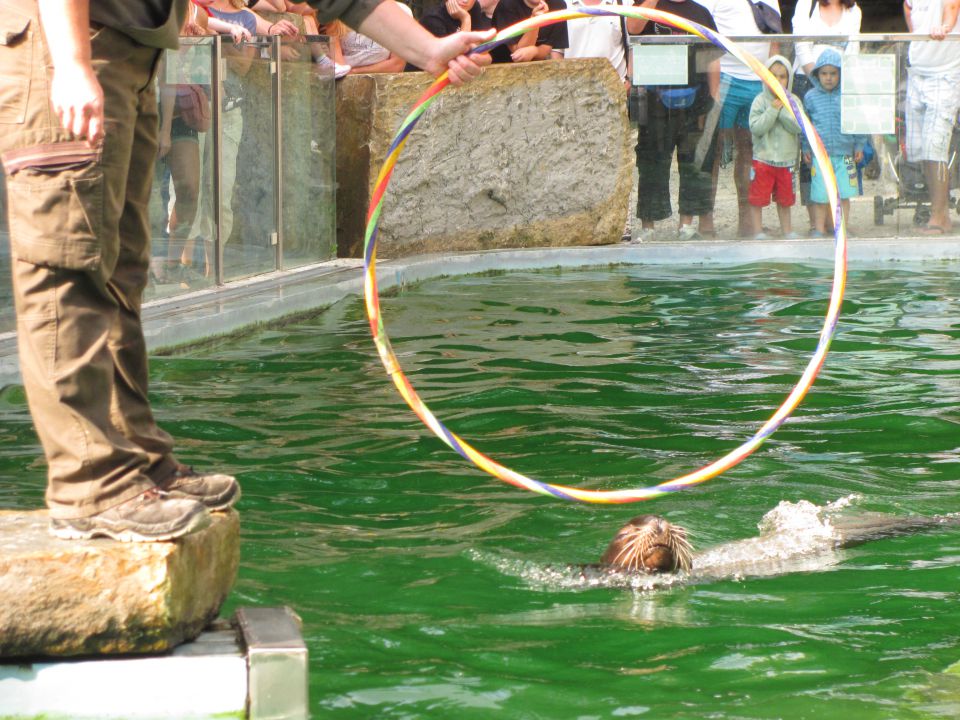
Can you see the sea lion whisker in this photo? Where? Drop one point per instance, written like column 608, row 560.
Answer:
column 649, row 544
column 630, row 555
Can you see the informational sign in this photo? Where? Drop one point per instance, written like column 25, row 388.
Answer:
column 868, row 94
column 868, row 114
column 660, row 65
column 189, row 64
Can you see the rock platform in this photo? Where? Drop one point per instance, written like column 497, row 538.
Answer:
column 102, row 597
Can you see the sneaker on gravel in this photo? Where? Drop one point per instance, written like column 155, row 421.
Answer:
column 151, row 516
column 216, row 491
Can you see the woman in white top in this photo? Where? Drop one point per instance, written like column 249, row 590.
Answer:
column 820, row 17
column 824, row 17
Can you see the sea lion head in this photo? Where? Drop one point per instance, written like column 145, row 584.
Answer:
column 649, row 544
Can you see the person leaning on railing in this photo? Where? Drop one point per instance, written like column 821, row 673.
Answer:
column 544, row 43
column 448, row 17
column 357, row 53
column 78, row 145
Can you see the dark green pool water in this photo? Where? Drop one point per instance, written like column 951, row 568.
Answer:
column 416, row 575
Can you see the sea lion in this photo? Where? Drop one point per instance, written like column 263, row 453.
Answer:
column 650, row 544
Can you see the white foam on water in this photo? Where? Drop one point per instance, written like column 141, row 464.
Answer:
column 794, row 537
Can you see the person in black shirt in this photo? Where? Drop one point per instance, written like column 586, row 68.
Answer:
column 534, row 45
column 451, row 16
column 487, row 8
column 448, row 17
column 675, row 121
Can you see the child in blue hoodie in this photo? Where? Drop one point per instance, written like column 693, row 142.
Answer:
column 822, row 103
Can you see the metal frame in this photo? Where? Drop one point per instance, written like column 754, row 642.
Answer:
column 217, row 115
column 277, row 235
column 786, row 37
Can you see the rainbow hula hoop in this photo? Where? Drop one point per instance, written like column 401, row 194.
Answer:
column 712, row 470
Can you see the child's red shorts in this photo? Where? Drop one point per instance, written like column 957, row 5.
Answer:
column 767, row 180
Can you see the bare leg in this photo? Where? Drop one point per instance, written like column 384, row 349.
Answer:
column 819, row 216
column 741, row 177
column 938, row 187
column 184, row 161
column 706, row 225
column 756, row 216
column 786, row 223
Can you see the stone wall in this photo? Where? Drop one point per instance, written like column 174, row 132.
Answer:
column 539, row 154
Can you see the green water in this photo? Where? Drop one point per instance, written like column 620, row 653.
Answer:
column 416, row 575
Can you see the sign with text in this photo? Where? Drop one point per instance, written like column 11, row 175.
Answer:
column 660, row 65
column 868, row 94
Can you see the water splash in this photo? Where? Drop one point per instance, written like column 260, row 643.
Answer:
column 794, row 537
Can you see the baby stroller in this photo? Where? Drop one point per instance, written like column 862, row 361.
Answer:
column 911, row 183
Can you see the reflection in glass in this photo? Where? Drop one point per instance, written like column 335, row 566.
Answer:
column 248, row 186
column 308, row 131
column 890, row 197
column 182, row 176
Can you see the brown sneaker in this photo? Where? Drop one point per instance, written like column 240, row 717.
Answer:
column 148, row 517
column 215, row 490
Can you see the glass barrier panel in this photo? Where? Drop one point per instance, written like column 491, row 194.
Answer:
column 181, row 204
column 705, row 170
column 307, row 153
column 248, row 172
column 7, row 320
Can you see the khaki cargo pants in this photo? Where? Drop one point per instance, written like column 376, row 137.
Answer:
column 80, row 246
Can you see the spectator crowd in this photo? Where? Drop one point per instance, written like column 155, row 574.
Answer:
column 723, row 120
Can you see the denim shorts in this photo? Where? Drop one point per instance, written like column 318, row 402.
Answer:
column 843, row 168
column 736, row 97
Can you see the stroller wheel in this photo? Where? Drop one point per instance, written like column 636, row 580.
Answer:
column 878, row 210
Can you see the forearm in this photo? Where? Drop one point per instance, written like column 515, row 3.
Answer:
column 221, row 27
column 949, row 17
column 66, row 25
column 168, row 100
column 391, row 27
column 263, row 25
column 544, row 51
column 906, row 16
column 713, row 79
column 528, row 39
column 392, row 64
column 635, row 26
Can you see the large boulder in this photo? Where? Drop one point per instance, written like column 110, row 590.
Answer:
column 96, row 597
column 538, row 154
